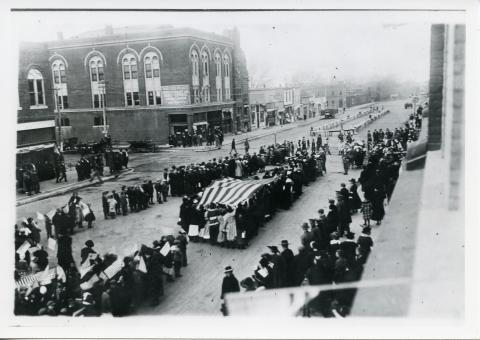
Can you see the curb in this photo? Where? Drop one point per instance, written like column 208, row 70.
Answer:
column 64, row 190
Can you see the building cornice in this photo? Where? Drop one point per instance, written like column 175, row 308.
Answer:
column 153, row 108
column 130, row 41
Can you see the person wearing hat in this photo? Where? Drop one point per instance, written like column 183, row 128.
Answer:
column 278, row 266
column 87, row 250
column 365, row 242
column 287, row 256
column 307, row 235
column 332, row 216
column 354, row 200
column 229, row 283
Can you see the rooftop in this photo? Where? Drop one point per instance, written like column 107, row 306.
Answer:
column 133, row 33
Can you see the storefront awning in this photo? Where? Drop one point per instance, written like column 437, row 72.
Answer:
column 40, row 147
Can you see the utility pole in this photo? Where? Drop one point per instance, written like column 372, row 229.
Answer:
column 102, row 86
column 58, row 119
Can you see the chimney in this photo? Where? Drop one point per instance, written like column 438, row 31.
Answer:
column 59, row 35
column 109, row 30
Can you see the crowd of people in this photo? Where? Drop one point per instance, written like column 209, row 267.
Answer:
column 292, row 167
column 330, row 252
column 91, row 166
column 197, row 138
column 95, row 284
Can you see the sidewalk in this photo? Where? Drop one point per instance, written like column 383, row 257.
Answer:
column 50, row 188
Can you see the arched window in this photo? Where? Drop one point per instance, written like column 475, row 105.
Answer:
column 97, row 77
column 218, row 76
column 36, row 88
column 130, row 80
column 195, row 76
column 205, row 78
column 226, row 63
column 60, row 84
column 152, row 79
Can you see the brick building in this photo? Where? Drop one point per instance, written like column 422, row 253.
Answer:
column 35, row 116
column 152, row 81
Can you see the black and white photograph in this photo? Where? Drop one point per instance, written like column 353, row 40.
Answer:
column 291, row 161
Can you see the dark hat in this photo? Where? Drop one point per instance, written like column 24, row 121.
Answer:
column 284, row 243
column 89, row 243
column 350, row 235
column 331, row 201
column 228, row 269
column 352, row 180
column 274, row 249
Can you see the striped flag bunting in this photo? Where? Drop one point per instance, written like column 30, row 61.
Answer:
column 232, row 191
column 113, row 269
column 29, row 280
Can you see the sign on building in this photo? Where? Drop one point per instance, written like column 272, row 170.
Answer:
column 176, row 94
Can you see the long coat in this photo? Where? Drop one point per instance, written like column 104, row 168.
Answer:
column 229, row 285
column 354, row 201
column 378, row 212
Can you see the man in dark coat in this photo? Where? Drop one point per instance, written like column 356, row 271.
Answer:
column 332, row 216
column 278, row 267
column 229, row 285
column 288, row 257
column 154, row 275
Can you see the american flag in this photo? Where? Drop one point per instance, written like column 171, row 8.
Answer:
column 113, row 269
column 29, row 280
column 232, row 191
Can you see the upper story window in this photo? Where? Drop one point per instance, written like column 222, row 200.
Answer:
column 195, row 70
column 97, row 78
column 36, row 88
column 226, row 63
column 218, row 76
column 97, row 69
column 152, row 66
column 130, row 80
column 59, row 73
column 130, row 67
column 153, row 86
column 205, row 69
column 60, row 84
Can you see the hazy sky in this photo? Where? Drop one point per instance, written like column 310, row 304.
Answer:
column 280, row 46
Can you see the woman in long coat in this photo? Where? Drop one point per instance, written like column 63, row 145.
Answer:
column 378, row 212
column 354, row 200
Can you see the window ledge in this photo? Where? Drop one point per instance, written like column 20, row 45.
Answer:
column 100, row 126
column 38, row 107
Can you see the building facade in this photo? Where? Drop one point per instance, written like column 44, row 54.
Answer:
column 273, row 106
column 148, row 83
column 35, row 117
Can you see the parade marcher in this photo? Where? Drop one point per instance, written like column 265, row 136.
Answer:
column 247, row 146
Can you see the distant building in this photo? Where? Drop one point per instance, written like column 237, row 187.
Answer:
column 152, row 82
column 274, row 106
